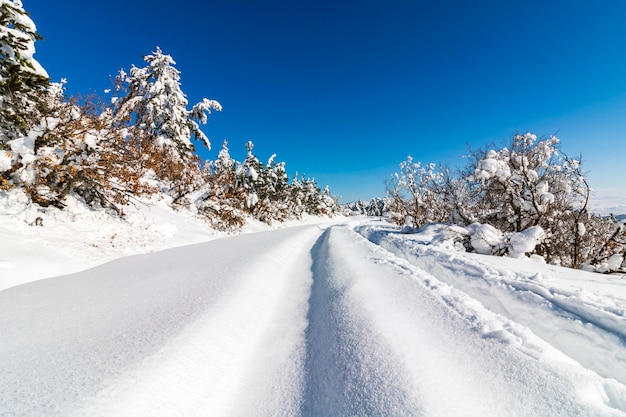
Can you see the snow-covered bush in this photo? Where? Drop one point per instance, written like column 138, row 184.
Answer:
column 527, row 198
column 76, row 149
column 526, row 184
column 485, row 239
column 531, row 184
column 417, row 196
column 607, row 250
column 525, row 242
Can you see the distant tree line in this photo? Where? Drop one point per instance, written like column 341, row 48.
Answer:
column 376, row 207
column 140, row 143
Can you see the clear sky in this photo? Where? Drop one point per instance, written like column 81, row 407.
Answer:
column 343, row 91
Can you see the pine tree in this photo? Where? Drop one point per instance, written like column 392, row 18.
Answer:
column 154, row 102
column 310, row 199
column 153, row 109
column 272, row 189
column 23, row 81
column 249, row 178
column 220, row 201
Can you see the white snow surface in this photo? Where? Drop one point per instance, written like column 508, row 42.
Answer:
column 331, row 317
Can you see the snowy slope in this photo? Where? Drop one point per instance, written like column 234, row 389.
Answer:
column 349, row 319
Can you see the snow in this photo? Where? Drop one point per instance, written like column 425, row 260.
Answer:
column 6, row 160
column 581, row 314
column 525, row 241
column 491, row 166
column 329, row 317
column 38, row 243
column 612, row 264
column 485, row 238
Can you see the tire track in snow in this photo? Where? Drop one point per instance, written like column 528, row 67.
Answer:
column 374, row 347
column 348, row 368
column 213, row 329
column 242, row 358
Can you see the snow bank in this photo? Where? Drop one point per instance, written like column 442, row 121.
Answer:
column 525, row 242
column 38, row 242
column 481, row 238
column 485, row 238
column 582, row 314
column 460, row 355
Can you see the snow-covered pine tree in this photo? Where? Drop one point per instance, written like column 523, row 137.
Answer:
column 152, row 107
column 223, row 172
column 329, row 204
column 314, row 200
column 272, row 189
column 220, row 201
column 249, row 179
column 311, row 192
column 277, row 182
column 296, row 196
column 23, row 81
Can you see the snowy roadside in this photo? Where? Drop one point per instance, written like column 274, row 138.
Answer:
column 460, row 357
column 38, row 243
column 582, row 314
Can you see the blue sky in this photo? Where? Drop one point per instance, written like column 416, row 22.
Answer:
column 343, row 91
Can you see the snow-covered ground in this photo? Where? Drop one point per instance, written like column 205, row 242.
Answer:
column 335, row 317
column 38, row 243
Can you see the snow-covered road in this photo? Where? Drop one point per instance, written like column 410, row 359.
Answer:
column 303, row 321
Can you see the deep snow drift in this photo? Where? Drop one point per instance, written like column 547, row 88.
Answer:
column 339, row 318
